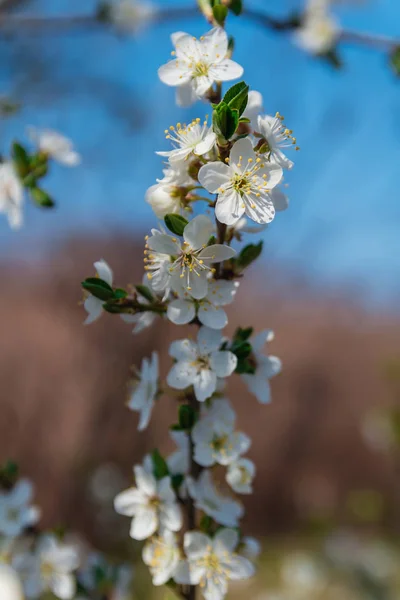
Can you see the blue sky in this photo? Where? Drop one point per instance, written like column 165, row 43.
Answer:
column 102, row 90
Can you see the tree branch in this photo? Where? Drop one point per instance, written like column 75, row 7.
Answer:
column 32, row 24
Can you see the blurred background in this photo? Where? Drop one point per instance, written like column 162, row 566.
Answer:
column 327, row 493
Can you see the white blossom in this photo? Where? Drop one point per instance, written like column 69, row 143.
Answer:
column 11, row 195
column 250, row 547
column 212, row 562
column 55, row 146
column 209, row 309
column 243, row 185
column 162, row 555
column 131, row 16
column 215, row 441
column 93, row 305
column 200, row 364
column 168, row 195
column 240, row 476
column 319, row 30
column 152, row 504
column 141, row 320
column 145, row 391
column 198, row 64
column 16, row 511
column 179, row 461
column 50, row 567
column 190, row 266
column 277, row 136
column 10, row 585
column 222, row 509
column 265, row 366
column 194, row 139
column 254, row 107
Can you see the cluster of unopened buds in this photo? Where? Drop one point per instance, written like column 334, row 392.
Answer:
column 234, row 163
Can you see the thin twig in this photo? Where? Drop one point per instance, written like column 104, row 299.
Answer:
column 26, row 23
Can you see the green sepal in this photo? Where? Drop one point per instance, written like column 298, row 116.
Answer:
column 175, row 223
column 220, row 13
column 120, row 293
column 177, row 481
column 20, row 158
column 242, row 350
column 245, row 366
column 41, row 198
column 98, row 288
column 160, row 467
column 225, row 121
column 394, row 59
column 237, row 96
column 243, row 334
column 236, row 6
column 332, row 57
column 249, row 254
column 144, row 291
column 206, row 524
column 187, row 417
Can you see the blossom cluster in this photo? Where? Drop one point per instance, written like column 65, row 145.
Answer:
column 23, row 172
column 33, row 562
column 235, row 163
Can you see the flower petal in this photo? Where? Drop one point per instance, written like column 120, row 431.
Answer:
column 171, row 516
column 217, row 253
column 185, row 95
column 230, row 207
column 208, row 340
column 226, row 70
column 182, row 375
column 240, row 568
column 196, row 544
column 212, row 316
column 145, row 481
column 181, row 312
column 259, row 386
column 206, row 144
column 214, row 44
column 144, row 523
column 164, row 244
column 174, row 72
column 205, row 384
column 198, row 231
column 225, row 541
column 214, row 175
column 241, row 151
column 197, row 285
column 223, row 363
column 183, row 350
column 104, row 271
column 94, row 308
column 127, row 502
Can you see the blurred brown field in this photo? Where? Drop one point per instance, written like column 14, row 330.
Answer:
column 64, row 387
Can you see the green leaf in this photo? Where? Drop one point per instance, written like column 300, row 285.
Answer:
column 187, row 416
column 249, row 254
column 41, row 198
column 175, row 223
column 10, row 470
column 332, row 57
column 243, row 334
column 120, row 293
column 145, row 292
column 220, row 13
column 245, row 366
column 21, row 159
column 244, row 120
column 236, row 6
column 114, row 309
column 160, row 467
column 98, row 288
column 242, row 350
column 206, row 524
column 177, row 481
column 225, row 121
column 237, row 96
column 395, row 60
